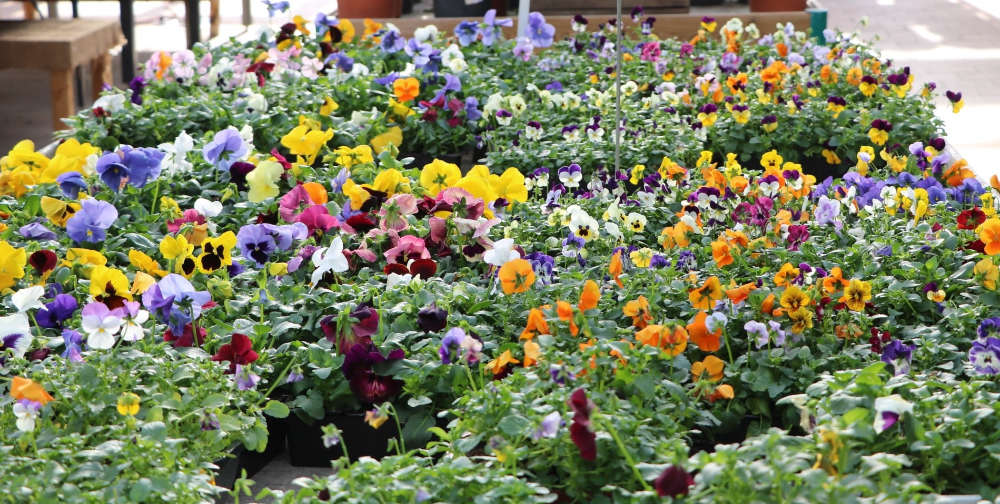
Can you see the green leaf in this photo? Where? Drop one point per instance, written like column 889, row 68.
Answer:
column 855, row 415
column 276, row 409
column 513, row 425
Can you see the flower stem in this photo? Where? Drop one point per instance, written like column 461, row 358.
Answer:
column 628, row 457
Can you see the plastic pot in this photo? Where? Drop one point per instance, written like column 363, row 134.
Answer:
column 305, row 440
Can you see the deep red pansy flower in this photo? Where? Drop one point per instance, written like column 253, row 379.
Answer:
column 673, row 481
column 239, row 350
column 43, row 260
column 971, row 219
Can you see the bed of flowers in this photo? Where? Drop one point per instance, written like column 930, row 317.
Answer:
column 787, row 293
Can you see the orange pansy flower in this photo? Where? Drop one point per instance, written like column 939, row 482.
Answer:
column 26, row 388
column 785, row 275
column 615, row 268
column 565, row 312
column 516, row 276
column 638, row 309
column 590, row 296
column 536, row 324
column 710, row 368
column 834, row 281
column 706, row 341
column 672, row 341
column 705, row 296
column 740, row 294
column 532, row 351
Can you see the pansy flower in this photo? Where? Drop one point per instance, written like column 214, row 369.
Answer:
column 91, row 222
column 239, row 351
column 101, row 325
column 15, row 335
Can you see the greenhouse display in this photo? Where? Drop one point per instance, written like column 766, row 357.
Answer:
column 413, row 258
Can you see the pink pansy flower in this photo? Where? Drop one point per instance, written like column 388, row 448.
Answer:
column 409, row 247
column 394, row 211
column 190, row 216
column 317, row 217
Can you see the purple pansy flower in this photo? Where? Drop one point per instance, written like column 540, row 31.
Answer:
column 985, row 356
column 71, row 183
column 54, row 313
column 899, row 355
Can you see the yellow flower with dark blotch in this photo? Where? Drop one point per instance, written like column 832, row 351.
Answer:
column 516, row 276
column 128, row 404
column 771, row 159
column 216, row 252
column 794, row 298
column 346, row 30
column 172, row 247
column 108, row 282
column 381, row 142
column 635, row 222
column 802, row 319
column 710, row 368
column 638, row 309
column 144, row 263
column 856, row 294
column 329, row 106
column 510, row 186
column 356, row 193
column 439, row 175
column 705, row 296
column 12, row 262
column 58, row 211
column 186, row 266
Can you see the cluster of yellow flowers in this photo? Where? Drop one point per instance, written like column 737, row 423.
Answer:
column 23, row 167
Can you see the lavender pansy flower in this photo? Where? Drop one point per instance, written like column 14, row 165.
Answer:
column 549, row 428
column 899, row 355
column 91, row 222
column 72, row 340
column 225, row 148
column 37, row 231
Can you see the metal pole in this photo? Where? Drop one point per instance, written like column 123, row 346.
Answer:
column 192, row 17
column 618, row 87
column 128, row 27
column 523, row 7
column 247, row 16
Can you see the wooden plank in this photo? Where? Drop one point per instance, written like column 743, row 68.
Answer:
column 56, row 44
column 683, row 26
column 573, row 7
column 100, row 74
column 61, row 90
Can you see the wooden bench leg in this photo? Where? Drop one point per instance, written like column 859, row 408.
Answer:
column 29, row 10
column 213, row 19
column 100, row 74
column 63, row 104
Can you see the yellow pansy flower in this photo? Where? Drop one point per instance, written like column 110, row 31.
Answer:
column 393, row 135
column 172, row 247
column 145, row 263
column 109, row 282
column 12, row 262
column 438, row 175
column 263, row 181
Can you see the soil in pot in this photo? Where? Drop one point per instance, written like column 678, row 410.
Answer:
column 305, row 441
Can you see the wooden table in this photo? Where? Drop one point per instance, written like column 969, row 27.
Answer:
column 59, row 46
